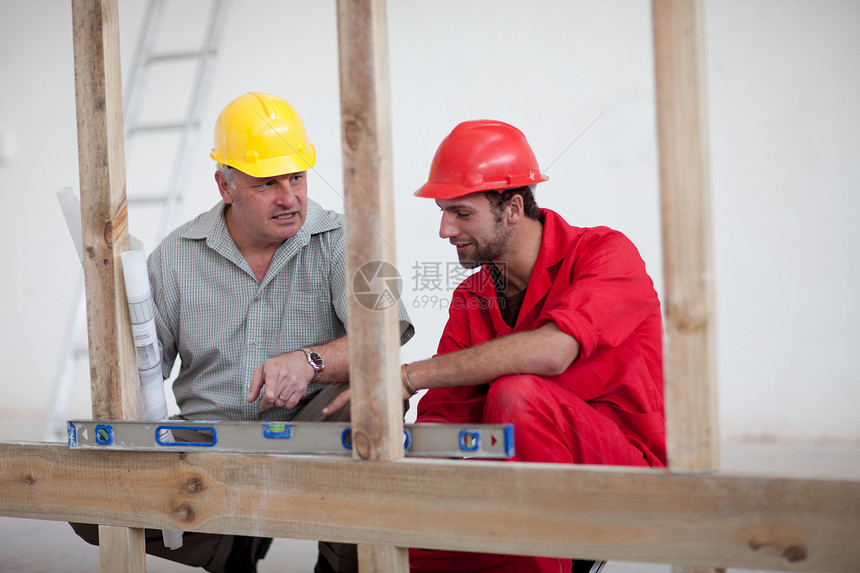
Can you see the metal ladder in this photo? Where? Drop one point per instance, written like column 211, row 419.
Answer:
column 148, row 60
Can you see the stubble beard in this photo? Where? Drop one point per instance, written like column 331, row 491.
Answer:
column 490, row 252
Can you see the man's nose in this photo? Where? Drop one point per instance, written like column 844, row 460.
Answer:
column 446, row 229
column 285, row 195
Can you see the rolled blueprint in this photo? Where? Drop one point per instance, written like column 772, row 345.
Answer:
column 153, row 404
column 141, row 310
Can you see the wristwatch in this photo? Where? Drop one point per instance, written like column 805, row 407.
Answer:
column 316, row 362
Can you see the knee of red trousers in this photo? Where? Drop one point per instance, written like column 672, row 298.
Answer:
column 552, row 424
column 512, row 395
column 541, row 432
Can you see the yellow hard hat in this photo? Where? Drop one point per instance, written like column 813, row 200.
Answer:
column 263, row 136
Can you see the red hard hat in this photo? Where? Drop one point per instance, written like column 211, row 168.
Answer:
column 481, row 155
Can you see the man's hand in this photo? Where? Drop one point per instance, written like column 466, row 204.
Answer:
column 344, row 397
column 335, row 405
column 286, row 379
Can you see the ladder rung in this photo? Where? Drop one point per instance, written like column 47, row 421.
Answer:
column 155, row 127
column 173, row 56
column 146, row 56
column 152, row 200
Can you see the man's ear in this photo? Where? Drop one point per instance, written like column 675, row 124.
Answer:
column 515, row 209
column 224, row 187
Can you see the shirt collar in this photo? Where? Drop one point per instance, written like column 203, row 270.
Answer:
column 553, row 247
column 212, row 227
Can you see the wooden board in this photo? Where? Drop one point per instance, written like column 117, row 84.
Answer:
column 122, row 549
column 104, row 218
column 104, row 214
column 695, row 520
column 688, row 301
column 374, row 334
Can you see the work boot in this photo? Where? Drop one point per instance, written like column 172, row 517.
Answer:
column 323, row 566
column 245, row 553
column 580, row 566
column 337, row 557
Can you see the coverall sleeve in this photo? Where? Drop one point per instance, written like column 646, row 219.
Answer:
column 607, row 294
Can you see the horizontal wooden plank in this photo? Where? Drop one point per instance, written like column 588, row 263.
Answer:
column 541, row 509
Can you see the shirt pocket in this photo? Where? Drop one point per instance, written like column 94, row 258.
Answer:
column 309, row 318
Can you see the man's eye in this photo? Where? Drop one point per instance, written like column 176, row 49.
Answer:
column 463, row 215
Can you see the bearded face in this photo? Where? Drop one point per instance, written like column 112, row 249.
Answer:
column 475, row 228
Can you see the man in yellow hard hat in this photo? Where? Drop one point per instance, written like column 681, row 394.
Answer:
column 251, row 296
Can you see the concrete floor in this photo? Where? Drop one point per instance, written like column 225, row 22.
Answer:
column 37, row 546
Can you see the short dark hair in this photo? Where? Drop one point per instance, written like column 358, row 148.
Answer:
column 530, row 207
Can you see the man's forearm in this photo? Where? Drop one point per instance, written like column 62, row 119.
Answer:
column 335, row 354
column 546, row 351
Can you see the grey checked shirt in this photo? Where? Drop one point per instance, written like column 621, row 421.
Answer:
column 222, row 323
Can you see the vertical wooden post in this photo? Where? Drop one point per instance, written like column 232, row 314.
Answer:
column 113, row 375
column 374, row 334
column 122, row 549
column 682, row 127
column 691, row 416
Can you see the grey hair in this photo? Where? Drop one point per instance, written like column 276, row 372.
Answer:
column 229, row 174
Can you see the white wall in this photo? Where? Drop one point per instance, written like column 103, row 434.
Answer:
column 784, row 86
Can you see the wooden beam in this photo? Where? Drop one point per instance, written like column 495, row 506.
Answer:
column 122, row 549
column 113, row 374
column 374, row 334
column 104, row 212
column 690, row 357
column 641, row 515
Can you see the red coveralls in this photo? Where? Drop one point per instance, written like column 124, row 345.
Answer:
column 606, row 408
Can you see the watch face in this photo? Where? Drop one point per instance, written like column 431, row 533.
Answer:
column 315, row 360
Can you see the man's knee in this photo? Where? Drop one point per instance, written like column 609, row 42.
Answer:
column 511, row 396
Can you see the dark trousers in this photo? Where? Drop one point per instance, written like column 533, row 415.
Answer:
column 211, row 551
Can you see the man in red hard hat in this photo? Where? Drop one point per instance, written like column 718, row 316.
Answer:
column 558, row 333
